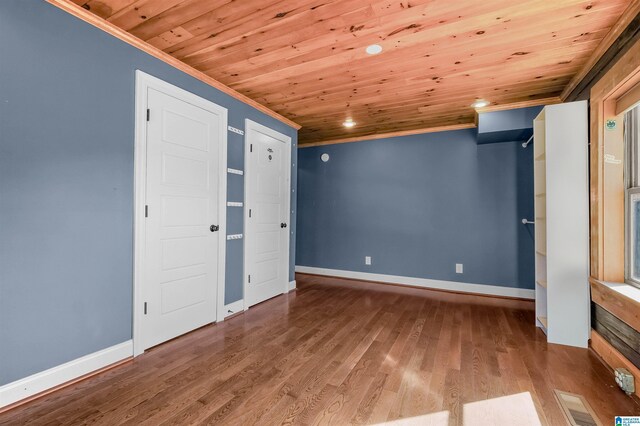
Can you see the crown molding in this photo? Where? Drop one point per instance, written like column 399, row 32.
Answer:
column 119, row 33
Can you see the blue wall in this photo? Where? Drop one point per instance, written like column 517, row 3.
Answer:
column 505, row 126
column 418, row 205
column 66, row 185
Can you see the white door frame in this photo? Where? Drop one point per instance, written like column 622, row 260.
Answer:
column 143, row 83
column 252, row 125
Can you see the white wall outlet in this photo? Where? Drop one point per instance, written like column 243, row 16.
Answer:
column 624, row 379
column 367, row 260
column 458, row 268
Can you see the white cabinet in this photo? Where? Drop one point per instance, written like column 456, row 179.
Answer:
column 562, row 223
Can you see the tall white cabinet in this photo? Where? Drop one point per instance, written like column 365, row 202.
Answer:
column 562, row 223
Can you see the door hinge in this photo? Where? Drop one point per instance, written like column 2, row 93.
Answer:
column 148, row 113
column 145, row 308
column 250, row 147
column 249, row 279
column 146, row 211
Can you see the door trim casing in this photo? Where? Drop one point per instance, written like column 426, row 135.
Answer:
column 144, row 82
column 248, row 126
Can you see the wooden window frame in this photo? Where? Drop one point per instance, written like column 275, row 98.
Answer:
column 610, row 97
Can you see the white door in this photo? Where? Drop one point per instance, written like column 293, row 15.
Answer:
column 183, row 227
column 267, row 177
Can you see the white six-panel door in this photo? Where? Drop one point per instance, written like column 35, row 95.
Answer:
column 183, row 225
column 267, row 228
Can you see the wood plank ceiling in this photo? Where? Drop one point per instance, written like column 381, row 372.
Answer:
column 306, row 60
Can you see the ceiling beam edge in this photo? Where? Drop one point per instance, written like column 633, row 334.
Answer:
column 119, row 33
column 618, row 28
column 524, row 104
column 450, row 127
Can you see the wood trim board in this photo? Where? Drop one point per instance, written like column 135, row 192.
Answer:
column 628, row 100
column 612, row 357
column 109, row 28
column 391, row 135
column 606, row 178
column 452, row 127
column 625, row 19
column 624, row 308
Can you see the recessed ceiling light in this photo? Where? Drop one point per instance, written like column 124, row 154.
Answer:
column 480, row 103
column 349, row 123
column 374, row 49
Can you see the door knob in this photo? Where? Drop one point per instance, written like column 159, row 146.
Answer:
column 214, row 228
column 283, row 225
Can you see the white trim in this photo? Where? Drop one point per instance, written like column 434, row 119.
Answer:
column 145, row 81
column 56, row 376
column 235, row 130
column 233, row 308
column 234, row 204
column 489, row 290
column 234, row 237
column 252, row 125
column 292, row 285
column 235, row 171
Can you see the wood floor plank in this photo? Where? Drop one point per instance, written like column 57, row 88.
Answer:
column 339, row 351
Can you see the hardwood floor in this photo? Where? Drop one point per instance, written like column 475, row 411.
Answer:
column 347, row 352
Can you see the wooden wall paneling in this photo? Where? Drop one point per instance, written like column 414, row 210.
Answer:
column 607, row 183
column 629, row 15
column 607, row 206
column 624, row 308
column 612, row 357
column 619, row 334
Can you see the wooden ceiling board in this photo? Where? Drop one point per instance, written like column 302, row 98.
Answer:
column 499, row 47
column 305, row 59
column 104, row 9
column 464, row 57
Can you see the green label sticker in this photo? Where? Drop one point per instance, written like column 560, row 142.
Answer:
column 610, row 124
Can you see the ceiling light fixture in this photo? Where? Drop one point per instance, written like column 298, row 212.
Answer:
column 480, row 103
column 348, row 123
column 374, row 49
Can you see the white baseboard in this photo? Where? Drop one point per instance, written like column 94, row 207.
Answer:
column 490, row 290
column 292, row 285
column 39, row 382
column 233, row 308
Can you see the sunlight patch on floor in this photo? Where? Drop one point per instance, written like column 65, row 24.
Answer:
column 517, row 409
column 440, row 418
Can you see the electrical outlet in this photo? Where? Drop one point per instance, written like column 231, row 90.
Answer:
column 367, row 260
column 624, row 379
column 458, row 268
